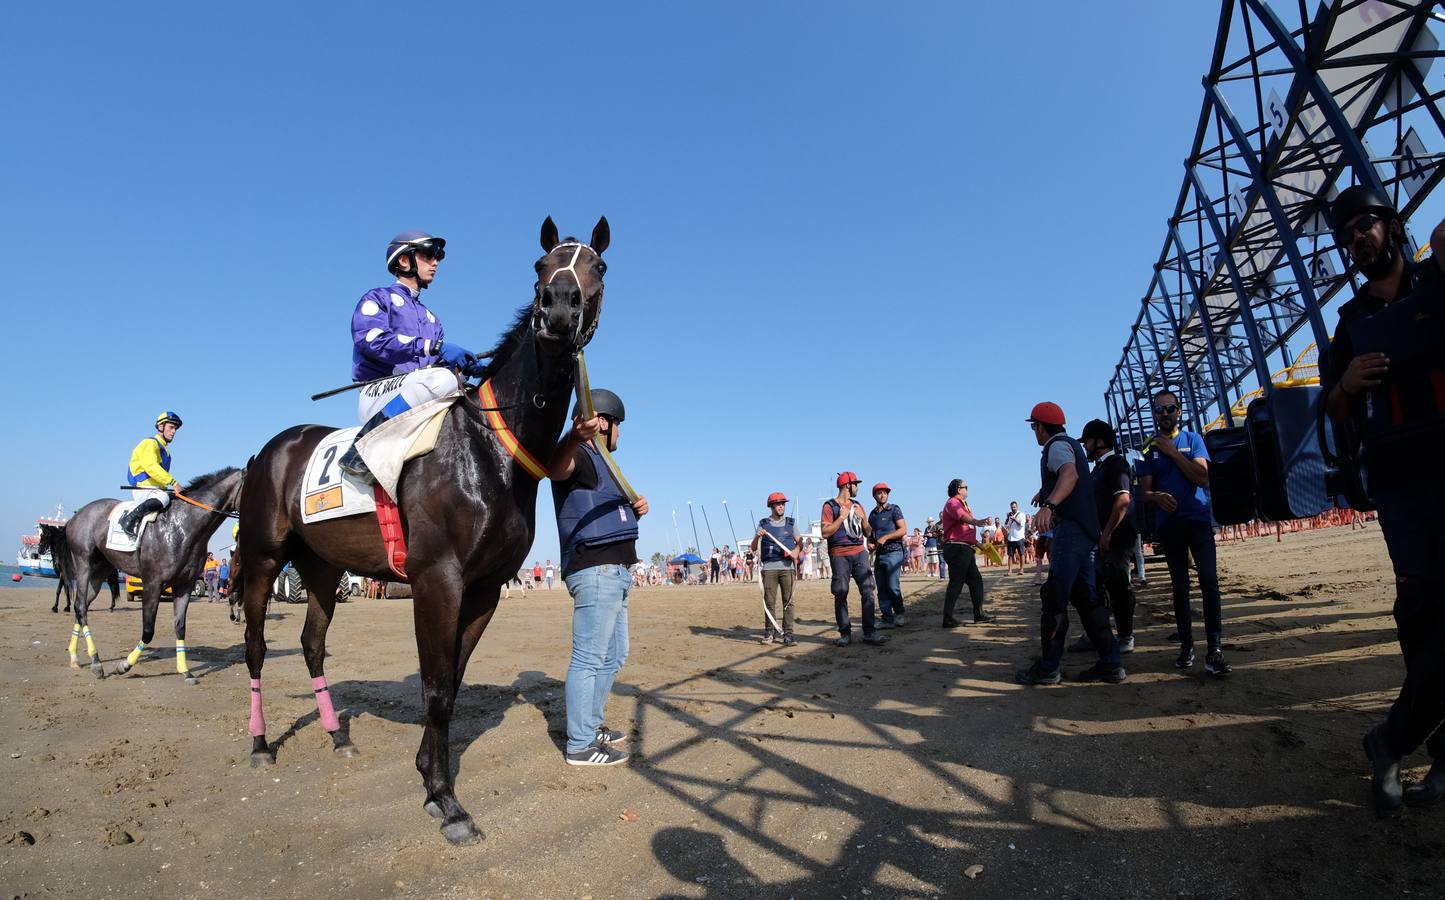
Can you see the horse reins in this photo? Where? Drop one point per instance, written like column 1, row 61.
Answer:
column 176, row 492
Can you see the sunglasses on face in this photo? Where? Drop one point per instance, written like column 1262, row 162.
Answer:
column 1346, row 233
column 1166, row 409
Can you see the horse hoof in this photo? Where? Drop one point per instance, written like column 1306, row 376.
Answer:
column 97, row 669
column 75, row 663
column 191, row 679
column 347, row 750
column 433, row 809
column 462, row 832
column 261, row 758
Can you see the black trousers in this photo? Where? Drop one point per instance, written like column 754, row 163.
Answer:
column 962, row 569
column 1115, row 587
column 1413, row 522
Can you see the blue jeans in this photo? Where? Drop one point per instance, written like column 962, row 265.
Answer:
column 853, row 567
column 599, row 646
column 888, row 572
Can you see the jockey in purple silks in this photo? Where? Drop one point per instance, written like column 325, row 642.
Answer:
column 392, row 333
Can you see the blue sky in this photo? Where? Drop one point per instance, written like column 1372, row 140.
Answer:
column 842, row 237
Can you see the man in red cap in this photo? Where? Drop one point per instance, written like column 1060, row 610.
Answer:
column 889, row 528
column 846, row 529
column 776, row 545
column 1066, row 503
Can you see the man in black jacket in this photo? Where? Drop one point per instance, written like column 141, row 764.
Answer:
column 1385, row 376
column 1113, row 479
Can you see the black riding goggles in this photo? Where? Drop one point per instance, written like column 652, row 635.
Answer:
column 1345, row 234
column 431, row 252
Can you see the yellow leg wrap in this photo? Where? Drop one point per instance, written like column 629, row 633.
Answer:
column 89, row 642
column 181, row 657
column 134, row 656
column 74, row 639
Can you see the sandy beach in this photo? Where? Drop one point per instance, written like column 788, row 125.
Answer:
column 918, row 769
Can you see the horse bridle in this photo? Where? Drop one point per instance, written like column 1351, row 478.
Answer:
column 579, row 339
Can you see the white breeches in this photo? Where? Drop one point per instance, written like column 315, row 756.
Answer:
column 401, row 392
column 140, row 494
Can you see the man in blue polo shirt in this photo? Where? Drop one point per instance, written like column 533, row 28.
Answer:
column 889, row 530
column 1172, row 479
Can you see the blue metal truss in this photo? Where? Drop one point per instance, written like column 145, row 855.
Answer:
column 1294, row 110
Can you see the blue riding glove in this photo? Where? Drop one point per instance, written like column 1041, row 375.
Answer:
column 456, row 357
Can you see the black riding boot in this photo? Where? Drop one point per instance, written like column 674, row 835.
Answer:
column 130, row 522
column 351, row 462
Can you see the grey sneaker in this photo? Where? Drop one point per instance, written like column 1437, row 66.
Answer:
column 875, row 638
column 606, row 735
column 1186, row 658
column 1035, row 674
column 885, row 623
column 900, row 620
column 767, row 638
column 597, row 754
column 1100, row 671
column 843, row 640
column 789, row 641
column 1126, row 644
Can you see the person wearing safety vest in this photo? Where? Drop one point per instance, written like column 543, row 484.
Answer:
column 888, row 528
column 845, row 526
column 776, row 545
column 1385, row 378
column 597, row 530
column 1066, row 503
column 393, row 334
column 149, row 474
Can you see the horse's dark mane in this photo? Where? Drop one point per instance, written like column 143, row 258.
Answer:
column 509, row 343
column 196, row 485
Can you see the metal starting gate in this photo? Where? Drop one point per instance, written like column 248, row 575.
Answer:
column 1296, row 108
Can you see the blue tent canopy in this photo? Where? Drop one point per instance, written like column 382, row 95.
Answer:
column 686, row 559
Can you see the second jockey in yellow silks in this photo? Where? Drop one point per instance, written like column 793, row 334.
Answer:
column 392, row 333
column 149, row 474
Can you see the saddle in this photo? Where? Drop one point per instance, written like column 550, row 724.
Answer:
column 115, row 536
column 328, row 492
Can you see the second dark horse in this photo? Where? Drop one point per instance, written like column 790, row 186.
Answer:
column 468, row 510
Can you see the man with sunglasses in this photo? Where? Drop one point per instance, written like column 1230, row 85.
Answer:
column 1172, row 478
column 597, row 530
column 393, row 334
column 1385, row 375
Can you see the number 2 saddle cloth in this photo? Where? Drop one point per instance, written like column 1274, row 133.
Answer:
column 329, row 493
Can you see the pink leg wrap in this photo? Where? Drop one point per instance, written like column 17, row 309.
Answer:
column 258, row 721
column 323, row 704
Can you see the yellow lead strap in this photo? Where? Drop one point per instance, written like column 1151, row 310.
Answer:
column 584, row 398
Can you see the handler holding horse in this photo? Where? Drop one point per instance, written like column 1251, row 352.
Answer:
column 467, row 508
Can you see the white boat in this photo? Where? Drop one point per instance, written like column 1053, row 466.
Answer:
column 31, row 561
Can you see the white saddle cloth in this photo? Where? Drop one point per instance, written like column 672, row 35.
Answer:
column 329, row 493
column 115, row 536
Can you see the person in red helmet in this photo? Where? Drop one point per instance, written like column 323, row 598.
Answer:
column 777, row 546
column 845, row 526
column 889, row 529
column 1066, row 503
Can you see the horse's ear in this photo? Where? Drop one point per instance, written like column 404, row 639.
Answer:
column 601, row 236
column 549, row 235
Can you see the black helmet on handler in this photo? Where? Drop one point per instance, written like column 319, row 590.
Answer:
column 1356, row 199
column 605, row 403
column 409, row 242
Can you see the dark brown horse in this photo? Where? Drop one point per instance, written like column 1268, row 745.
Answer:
column 468, row 509
column 172, row 554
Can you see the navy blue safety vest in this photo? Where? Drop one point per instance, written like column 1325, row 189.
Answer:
column 770, row 551
column 842, row 538
column 592, row 516
column 1078, row 507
